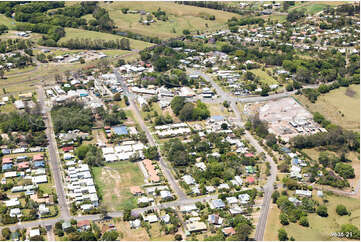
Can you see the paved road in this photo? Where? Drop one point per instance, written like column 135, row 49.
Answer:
column 54, row 159
column 268, row 187
column 163, row 165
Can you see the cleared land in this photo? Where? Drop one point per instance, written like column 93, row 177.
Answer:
column 340, row 106
column 72, row 33
column 114, row 181
column 264, row 77
column 320, row 228
column 180, row 17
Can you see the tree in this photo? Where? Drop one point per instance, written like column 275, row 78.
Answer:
column 6, row 233
column 322, row 211
column 2, row 73
column 151, row 153
column 275, row 196
column 81, row 151
column 226, row 104
column 186, row 32
column 117, row 97
column 284, row 219
column 282, row 235
column 271, row 140
column 110, row 235
column 178, row 237
column 177, row 104
column 186, row 113
column 345, row 170
column 304, row 221
column 341, row 210
column 81, row 60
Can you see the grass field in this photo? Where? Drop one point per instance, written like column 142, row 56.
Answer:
column 336, row 106
column 10, row 23
column 114, row 181
column 320, row 228
column 180, row 17
column 315, row 7
column 264, row 77
column 72, row 33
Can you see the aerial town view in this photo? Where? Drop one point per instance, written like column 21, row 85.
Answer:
column 180, row 120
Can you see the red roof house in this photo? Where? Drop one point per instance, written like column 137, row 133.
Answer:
column 7, row 160
column 68, row 148
column 250, row 179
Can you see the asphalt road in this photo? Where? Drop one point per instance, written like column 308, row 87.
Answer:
column 163, row 165
column 54, row 159
column 268, row 187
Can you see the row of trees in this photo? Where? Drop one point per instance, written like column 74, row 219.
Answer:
column 96, row 44
column 10, row 45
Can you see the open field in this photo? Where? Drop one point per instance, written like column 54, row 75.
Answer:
column 27, row 81
column 336, row 106
column 264, row 77
column 320, row 228
column 180, row 17
column 72, row 33
column 218, row 109
column 114, row 180
column 7, row 21
column 314, row 7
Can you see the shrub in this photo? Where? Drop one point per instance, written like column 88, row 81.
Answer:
column 341, row 210
column 322, row 211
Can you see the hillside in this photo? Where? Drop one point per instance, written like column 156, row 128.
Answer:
column 180, row 17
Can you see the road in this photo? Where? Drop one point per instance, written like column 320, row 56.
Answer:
column 54, row 159
column 268, row 187
column 163, row 165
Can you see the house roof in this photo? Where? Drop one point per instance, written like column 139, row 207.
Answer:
column 83, row 223
column 229, row 231
column 7, row 160
column 38, row 157
column 68, row 148
column 135, row 190
column 250, row 179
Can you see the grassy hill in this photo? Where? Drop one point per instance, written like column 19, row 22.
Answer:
column 341, row 106
column 72, row 33
column 10, row 23
column 180, row 17
column 315, row 7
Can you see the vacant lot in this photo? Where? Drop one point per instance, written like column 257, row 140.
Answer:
column 320, row 228
column 114, row 181
column 180, row 17
column 80, row 33
column 264, row 77
column 340, row 106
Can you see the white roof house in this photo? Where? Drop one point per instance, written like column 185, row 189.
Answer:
column 152, row 218
column 34, row 232
column 188, row 179
column 304, row 193
column 40, row 179
column 12, row 202
column 232, row 200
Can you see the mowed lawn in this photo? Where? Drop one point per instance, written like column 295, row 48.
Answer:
column 338, row 107
column 320, row 227
column 180, row 17
column 72, row 33
column 114, row 181
column 264, row 77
